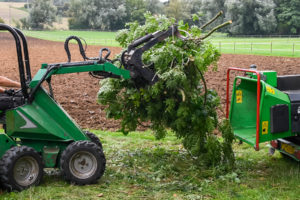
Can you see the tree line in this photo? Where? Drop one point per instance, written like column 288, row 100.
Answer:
column 249, row 17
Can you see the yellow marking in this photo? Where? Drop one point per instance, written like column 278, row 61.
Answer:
column 270, row 90
column 265, row 126
column 239, row 96
column 287, row 148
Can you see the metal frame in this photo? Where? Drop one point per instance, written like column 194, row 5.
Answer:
column 17, row 34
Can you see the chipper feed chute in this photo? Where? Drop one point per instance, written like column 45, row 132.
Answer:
column 260, row 110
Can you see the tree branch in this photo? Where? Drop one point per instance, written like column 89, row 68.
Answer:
column 204, row 82
column 212, row 20
column 142, row 125
column 214, row 29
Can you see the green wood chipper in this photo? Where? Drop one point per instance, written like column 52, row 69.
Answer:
column 266, row 107
column 38, row 131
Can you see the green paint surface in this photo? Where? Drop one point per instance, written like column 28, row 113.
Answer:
column 243, row 110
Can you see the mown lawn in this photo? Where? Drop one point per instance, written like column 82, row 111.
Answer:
column 140, row 167
column 285, row 46
column 289, row 47
column 91, row 37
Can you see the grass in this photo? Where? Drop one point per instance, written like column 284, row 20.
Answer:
column 91, row 37
column 289, row 47
column 140, row 167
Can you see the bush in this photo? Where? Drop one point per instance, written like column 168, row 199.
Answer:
column 76, row 24
column 1, row 20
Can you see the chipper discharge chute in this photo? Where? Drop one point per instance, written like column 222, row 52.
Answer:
column 266, row 107
column 38, row 131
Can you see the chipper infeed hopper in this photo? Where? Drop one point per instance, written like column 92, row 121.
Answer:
column 266, row 107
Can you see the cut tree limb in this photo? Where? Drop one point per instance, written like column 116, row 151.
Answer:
column 212, row 20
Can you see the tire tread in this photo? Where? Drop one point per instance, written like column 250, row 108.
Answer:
column 70, row 150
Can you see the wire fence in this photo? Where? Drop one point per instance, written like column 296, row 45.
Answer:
column 281, row 48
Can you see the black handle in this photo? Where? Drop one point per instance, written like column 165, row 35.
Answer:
column 19, row 55
column 82, row 52
column 26, row 55
column 106, row 56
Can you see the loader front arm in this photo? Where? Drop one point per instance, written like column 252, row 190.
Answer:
column 106, row 68
column 102, row 66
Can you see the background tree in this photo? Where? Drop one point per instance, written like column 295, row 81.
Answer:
column 288, row 16
column 62, row 7
column 154, row 6
column 211, row 8
column 178, row 9
column 135, row 10
column 251, row 17
column 95, row 14
column 42, row 13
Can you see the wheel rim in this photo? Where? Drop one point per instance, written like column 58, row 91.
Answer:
column 83, row 165
column 26, row 171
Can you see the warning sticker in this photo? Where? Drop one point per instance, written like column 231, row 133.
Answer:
column 270, row 90
column 239, row 96
column 265, row 125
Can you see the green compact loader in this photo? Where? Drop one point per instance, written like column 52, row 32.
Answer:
column 266, row 107
column 38, row 131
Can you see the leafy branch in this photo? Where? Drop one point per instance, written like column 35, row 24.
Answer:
column 180, row 100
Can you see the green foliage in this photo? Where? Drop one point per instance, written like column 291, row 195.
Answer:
column 95, row 14
column 63, row 7
column 110, row 14
column 154, row 6
column 41, row 15
column 251, row 17
column 178, row 9
column 179, row 100
column 1, row 20
column 288, row 15
column 135, row 10
column 210, row 8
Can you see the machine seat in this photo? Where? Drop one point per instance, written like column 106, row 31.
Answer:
column 290, row 84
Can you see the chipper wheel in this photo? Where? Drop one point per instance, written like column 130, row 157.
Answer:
column 94, row 138
column 82, row 162
column 20, row 168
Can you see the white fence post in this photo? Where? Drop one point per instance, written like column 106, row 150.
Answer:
column 271, row 47
column 293, row 49
column 234, row 47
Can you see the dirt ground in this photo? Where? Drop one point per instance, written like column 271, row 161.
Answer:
column 77, row 92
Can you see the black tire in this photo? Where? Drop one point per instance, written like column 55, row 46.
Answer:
column 82, row 162
column 94, row 138
column 20, row 167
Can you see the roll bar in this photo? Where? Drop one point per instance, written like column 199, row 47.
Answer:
column 17, row 34
column 26, row 55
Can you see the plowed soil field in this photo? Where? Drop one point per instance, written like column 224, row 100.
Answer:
column 77, row 93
